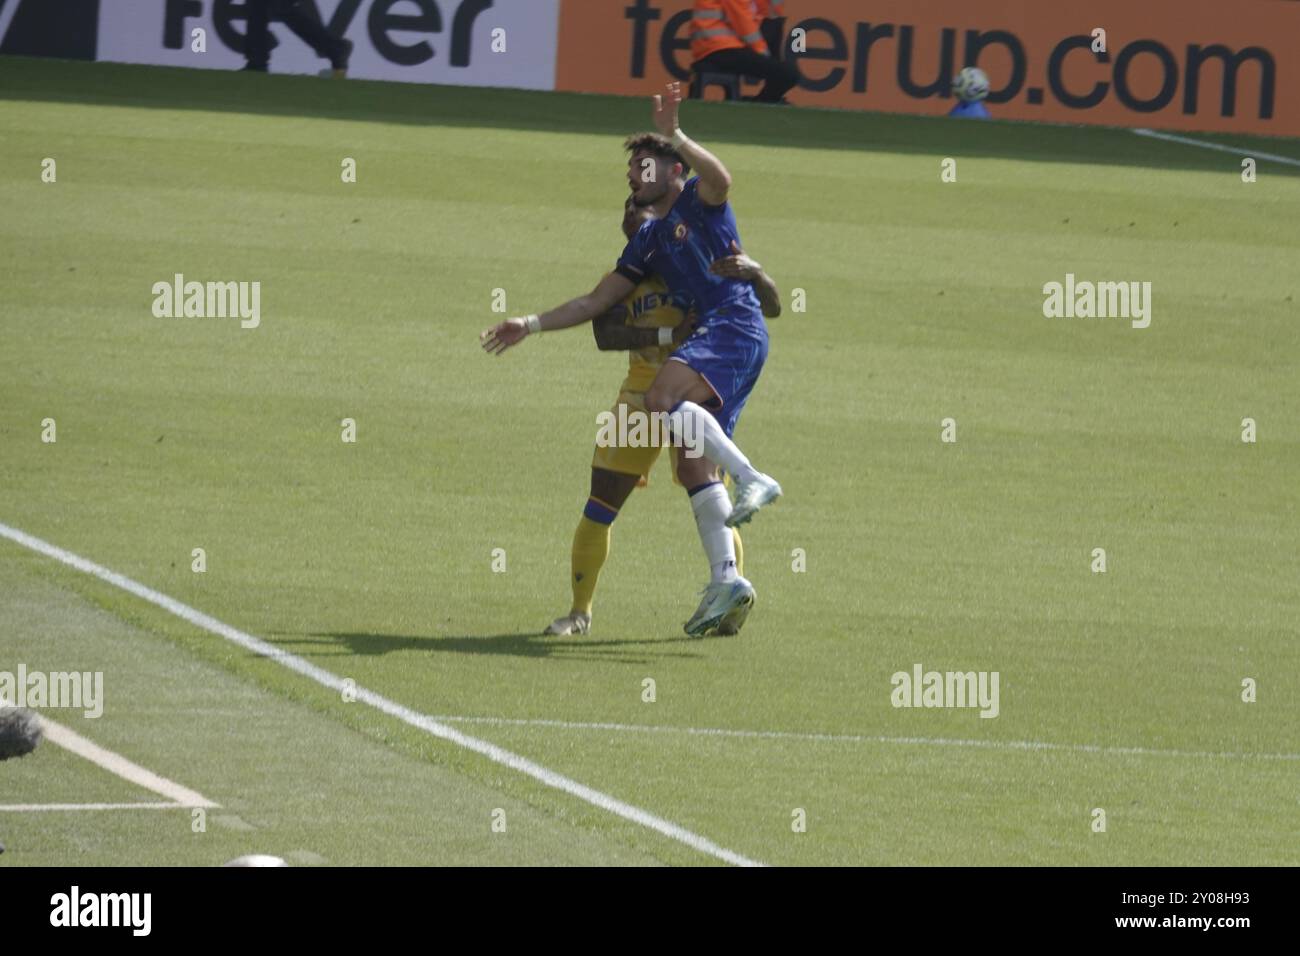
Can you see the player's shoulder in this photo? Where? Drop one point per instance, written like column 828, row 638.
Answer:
column 643, row 238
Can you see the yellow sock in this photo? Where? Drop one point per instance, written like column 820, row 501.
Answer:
column 740, row 552
column 590, row 548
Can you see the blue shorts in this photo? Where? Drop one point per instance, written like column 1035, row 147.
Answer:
column 728, row 350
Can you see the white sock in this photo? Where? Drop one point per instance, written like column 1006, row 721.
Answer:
column 718, row 448
column 712, row 506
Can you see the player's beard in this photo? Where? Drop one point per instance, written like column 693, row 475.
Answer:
column 642, row 198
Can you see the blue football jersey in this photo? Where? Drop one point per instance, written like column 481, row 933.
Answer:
column 680, row 248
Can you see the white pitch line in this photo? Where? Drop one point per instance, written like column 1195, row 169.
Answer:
column 859, row 738
column 1235, row 150
column 420, row 721
column 116, row 764
column 38, row 807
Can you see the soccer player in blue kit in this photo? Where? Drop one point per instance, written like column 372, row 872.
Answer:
column 705, row 383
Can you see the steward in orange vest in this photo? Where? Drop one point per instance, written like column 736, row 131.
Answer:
column 727, row 37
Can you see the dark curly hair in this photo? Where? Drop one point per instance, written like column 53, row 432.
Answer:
column 661, row 147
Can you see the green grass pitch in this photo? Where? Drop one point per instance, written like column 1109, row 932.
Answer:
column 1119, row 691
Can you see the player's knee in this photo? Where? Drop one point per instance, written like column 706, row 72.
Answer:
column 692, row 472
column 611, row 487
column 659, row 400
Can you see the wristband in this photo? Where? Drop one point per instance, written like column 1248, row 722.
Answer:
column 665, row 336
column 533, row 323
column 678, row 138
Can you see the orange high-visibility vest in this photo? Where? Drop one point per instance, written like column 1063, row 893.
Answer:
column 725, row 25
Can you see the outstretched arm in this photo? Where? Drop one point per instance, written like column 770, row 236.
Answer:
column 608, row 292
column 742, row 267
column 613, row 334
column 715, row 181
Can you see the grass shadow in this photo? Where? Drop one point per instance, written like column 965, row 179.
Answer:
column 531, row 645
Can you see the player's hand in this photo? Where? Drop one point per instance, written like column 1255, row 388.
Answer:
column 664, row 112
column 736, row 266
column 501, row 336
column 683, row 329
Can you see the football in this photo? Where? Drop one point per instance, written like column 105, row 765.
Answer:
column 971, row 85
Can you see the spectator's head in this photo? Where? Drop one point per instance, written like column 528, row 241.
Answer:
column 634, row 215
column 653, row 167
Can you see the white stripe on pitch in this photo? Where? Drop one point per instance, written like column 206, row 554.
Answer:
column 420, row 721
column 116, row 764
column 811, row 736
column 1235, row 150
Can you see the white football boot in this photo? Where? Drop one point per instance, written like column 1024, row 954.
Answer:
column 572, row 623
column 721, row 600
column 732, row 622
column 750, row 496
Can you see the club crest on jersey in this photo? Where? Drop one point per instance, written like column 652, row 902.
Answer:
column 680, row 232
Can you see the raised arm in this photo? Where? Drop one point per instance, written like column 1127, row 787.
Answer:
column 608, row 292
column 715, row 181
